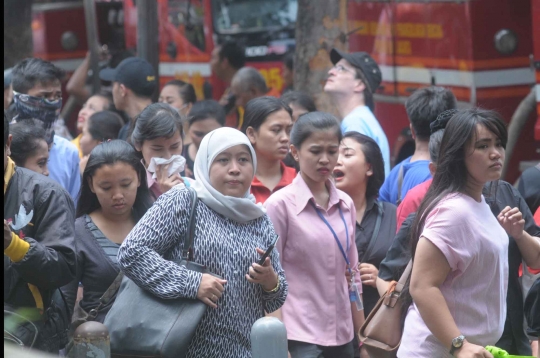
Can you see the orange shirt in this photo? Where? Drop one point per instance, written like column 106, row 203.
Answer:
column 262, row 193
column 273, row 93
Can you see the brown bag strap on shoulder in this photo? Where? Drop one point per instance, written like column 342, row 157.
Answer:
column 395, row 289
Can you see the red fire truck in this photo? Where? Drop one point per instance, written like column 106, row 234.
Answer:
column 188, row 31
column 481, row 49
column 478, row 48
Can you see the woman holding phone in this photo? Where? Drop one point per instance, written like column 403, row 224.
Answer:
column 231, row 235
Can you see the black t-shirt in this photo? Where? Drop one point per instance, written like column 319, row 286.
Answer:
column 383, row 240
column 532, row 309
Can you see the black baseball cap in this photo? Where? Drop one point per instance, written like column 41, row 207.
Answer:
column 135, row 73
column 364, row 62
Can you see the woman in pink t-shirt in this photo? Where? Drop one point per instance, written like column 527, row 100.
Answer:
column 460, row 251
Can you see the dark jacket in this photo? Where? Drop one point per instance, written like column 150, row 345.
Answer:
column 381, row 243
column 514, row 339
column 50, row 260
column 532, row 309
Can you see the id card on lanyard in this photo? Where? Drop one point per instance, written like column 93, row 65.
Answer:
column 354, row 295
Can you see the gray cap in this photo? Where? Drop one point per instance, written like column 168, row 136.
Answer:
column 7, row 77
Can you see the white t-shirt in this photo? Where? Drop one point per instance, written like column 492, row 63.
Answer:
column 476, row 248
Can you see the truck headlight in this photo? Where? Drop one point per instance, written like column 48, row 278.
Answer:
column 506, row 41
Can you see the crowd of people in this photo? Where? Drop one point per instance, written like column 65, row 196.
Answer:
column 117, row 199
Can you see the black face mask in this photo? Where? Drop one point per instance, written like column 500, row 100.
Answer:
column 30, row 107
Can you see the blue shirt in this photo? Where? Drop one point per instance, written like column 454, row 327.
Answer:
column 64, row 166
column 362, row 120
column 414, row 173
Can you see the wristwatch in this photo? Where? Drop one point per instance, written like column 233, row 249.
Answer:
column 457, row 343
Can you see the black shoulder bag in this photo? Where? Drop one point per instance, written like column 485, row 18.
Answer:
column 143, row 325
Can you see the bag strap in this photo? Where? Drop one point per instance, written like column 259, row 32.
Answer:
column 107, row 297
column 375, row 234
column 187, row 252
column 400, row 184
column 403, row 279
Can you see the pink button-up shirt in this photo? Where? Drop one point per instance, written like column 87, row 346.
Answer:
column 318, row 308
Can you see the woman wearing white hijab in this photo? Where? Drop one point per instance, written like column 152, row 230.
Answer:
column 231, row 234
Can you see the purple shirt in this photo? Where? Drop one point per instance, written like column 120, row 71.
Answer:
column 317, row 309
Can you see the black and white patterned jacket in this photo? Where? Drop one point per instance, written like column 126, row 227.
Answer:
column 225, row 247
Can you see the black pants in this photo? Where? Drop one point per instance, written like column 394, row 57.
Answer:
column 307, row 350
column 517, row 344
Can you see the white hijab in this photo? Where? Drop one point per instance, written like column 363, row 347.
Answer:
column 238, row 209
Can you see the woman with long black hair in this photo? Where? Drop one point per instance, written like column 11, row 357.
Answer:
column 359, row 172
column 460, row 271
column 114, row 197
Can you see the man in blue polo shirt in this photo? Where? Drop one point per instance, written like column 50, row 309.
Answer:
column 38, row 95
column 423, row 107
column 351, row 84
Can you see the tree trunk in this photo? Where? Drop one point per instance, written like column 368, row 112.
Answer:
column 320, row 26
column 18, row 43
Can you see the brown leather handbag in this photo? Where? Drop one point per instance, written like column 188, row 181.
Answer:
column 381, row 332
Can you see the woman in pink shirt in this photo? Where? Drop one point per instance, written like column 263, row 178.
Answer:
column 460, row 251
column 315, row 223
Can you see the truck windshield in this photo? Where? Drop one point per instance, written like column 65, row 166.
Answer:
column 244, row 16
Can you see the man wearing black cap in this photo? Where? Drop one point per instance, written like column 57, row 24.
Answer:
column 351, row 83
column 134, row 82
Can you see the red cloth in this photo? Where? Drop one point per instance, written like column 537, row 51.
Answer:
column 533, row 271
column 411, row 202
column 262, row 193
column 273, row 93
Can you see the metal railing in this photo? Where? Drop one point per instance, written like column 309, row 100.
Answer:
column 92, row 339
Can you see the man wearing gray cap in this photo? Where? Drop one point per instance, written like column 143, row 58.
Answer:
column 8, row 90
column 351, row 83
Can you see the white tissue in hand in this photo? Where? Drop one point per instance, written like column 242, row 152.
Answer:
column 177, row 164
